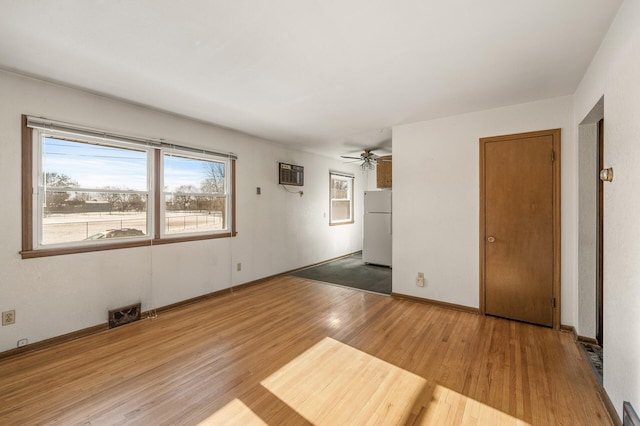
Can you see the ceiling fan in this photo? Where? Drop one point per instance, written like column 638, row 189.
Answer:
column 368, row 158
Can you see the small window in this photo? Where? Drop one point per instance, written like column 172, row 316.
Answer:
column 341, row 195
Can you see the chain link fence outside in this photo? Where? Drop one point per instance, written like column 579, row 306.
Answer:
column 65, row 228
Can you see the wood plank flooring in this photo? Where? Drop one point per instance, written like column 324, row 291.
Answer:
column 291, row 351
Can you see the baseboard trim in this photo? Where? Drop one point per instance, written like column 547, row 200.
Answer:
column 588, row 340
column 54, row 341
column 208, row 296
column 577, row 338
column 315, row 264
column 436, row 303
column 57, row 340
column 569, row 329
column 183, row 303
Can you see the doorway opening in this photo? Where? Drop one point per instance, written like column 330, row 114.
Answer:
column 590, row 328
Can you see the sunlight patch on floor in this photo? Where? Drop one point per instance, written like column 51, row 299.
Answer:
column 234, row 413
column 333, row 383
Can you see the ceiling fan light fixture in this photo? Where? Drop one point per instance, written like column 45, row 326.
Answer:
column 368, row 158
column 368, row 164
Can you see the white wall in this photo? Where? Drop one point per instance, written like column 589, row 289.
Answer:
column 436, row 199
column 277, row 231
column 614, row 73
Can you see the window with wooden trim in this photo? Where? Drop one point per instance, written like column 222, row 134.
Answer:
column 341, row 198
column 195, row 194
column 86, row 190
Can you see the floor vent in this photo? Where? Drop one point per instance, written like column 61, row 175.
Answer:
column 630, row 418
column 124, row 315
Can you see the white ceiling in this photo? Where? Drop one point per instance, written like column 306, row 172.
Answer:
column 327, row 76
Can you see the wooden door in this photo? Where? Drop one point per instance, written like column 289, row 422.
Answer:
column 519, row 248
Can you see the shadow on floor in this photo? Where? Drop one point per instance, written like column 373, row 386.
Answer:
column 351, row 271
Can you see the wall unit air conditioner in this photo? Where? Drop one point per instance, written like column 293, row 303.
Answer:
column 290, row 174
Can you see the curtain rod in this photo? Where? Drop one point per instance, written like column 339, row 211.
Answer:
column 45, row 124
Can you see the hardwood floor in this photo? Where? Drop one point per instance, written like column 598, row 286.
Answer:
column 290, row 351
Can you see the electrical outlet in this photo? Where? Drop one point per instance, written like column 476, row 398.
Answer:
column 239, row 266
column 420, row 279
column 23, row 342
column 9, row 317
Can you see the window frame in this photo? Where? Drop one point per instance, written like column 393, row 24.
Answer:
column 162, row 213
column 38, row 137
column 31, row 215
column 344, row 176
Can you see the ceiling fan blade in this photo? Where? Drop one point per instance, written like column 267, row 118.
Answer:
column 351, row 158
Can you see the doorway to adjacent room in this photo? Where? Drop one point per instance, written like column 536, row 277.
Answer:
column 350, row 271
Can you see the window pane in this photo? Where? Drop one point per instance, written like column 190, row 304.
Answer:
column 86, row 165
column 194, row 213
column 340, row 188
column 186, row 211
column 77, row 216
column 341, row 193
column 340, row 210
column 193, row 175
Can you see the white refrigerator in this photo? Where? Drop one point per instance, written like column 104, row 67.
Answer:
column 376, row 247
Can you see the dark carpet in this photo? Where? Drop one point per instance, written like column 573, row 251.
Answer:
column 594, row 356
column 351, row 271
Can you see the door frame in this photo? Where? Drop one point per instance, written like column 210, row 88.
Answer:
column 600, row 240
column 555, row 134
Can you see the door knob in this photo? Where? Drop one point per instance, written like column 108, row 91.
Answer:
column 491, row 239
column 606, row 175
